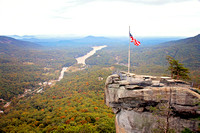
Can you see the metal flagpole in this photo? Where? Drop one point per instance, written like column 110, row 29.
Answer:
column 129, row 54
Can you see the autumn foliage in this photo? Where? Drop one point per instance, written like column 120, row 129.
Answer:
column 75, row 104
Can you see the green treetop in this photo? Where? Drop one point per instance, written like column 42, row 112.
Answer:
column 177, row 70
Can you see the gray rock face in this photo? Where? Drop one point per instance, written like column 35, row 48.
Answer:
column 143, row 104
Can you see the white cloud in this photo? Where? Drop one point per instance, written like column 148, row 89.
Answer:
column 151, row 2
column 100, row 17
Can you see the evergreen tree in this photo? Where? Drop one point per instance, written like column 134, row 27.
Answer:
column 177, row 70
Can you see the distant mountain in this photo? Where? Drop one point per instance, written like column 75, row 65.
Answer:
column 150, row 41
column 151, row 59
column 10, row 44
column 93, row 41
column 21, row 37
column 4, row 40
column 185, row 50
column 190, row 40
column 74, row 42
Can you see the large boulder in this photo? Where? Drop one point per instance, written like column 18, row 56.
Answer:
column 143, row 104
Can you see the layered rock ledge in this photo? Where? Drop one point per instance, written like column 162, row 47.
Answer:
column 145, row 104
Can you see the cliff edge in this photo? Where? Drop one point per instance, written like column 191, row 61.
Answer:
column 147, row 104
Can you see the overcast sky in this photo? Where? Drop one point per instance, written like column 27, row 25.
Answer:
column 100, row 17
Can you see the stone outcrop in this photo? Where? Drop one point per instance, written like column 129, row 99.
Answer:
column 145, row 104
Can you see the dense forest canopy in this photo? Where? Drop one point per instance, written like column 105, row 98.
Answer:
column 76, row 104
column 25, row 67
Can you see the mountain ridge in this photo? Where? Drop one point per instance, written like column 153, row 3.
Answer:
column 10, row 44
column 92, row 40
column 186, row 50
column 21, row 43
column 192, row 40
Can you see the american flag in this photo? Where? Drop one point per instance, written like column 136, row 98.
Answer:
column 137, row 43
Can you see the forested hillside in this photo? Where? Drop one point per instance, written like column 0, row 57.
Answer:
column 185, row 50
column 23, row 65
column 8, row 44
column 152, row 59
column 75, row 104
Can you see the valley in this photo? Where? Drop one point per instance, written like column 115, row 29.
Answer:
column 80, row 60
column 49, row 93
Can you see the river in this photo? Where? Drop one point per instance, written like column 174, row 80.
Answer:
column 62, row 73
column 81, row 60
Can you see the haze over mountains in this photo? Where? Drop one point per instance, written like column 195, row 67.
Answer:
column 152, row 49
column 92, row 40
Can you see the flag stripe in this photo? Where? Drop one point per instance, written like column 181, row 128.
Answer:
column 137, row 43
